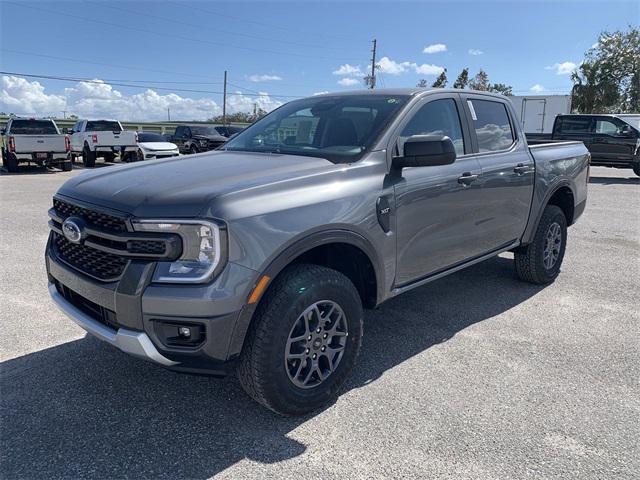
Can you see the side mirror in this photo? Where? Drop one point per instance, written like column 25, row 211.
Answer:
column 426, row 151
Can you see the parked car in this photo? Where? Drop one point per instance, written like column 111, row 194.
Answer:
column 31, row 140
column 101, row 139
column 613, row 140
column 153, row 146
column 258, row 258
column 200, row 138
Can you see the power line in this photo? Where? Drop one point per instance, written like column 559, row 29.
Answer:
column 218, row 30
column 180, row 37
column 130, row 85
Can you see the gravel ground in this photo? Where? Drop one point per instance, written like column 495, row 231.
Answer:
column 474, row 376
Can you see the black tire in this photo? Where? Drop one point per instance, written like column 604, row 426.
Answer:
column 263, row 369
column 139, row 156
column 88, row 157
column 636, row 169
column 67, row 166
column 193, row 150
column 10, row 162
column 530, row 261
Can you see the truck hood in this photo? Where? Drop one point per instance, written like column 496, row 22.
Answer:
column 185, row 186
column 213, row 138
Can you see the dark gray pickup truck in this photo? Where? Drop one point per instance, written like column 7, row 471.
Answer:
column 259, row 258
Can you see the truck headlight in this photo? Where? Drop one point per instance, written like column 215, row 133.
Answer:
column 204, row 143
column 203, row 248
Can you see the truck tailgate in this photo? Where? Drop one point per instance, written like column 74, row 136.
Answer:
column 114, row 139
column 39, row 143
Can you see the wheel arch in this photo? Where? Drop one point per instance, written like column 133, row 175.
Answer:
column 561, row 195
column 343, row 250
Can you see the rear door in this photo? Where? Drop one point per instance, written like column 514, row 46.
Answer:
column 436, row 207
column 508, row 171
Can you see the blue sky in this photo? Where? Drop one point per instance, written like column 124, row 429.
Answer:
column 283, row 49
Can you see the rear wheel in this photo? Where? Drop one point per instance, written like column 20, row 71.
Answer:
column 88, row 157
column 66, row 166
column 540, row 261
column 10, row 162
column 304, row 340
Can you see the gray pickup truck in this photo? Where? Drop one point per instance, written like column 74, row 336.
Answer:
column 259, row 258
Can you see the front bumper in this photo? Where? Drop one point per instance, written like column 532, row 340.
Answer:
column 134, row 343
column 130, row 313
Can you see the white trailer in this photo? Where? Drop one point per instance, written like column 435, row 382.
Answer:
column 537, row 112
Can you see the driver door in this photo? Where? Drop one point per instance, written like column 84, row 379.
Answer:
column 437, row 207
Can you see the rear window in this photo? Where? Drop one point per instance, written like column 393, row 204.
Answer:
column 33, row 127
column 573, row 125
column 103, row 126
column 492, row 125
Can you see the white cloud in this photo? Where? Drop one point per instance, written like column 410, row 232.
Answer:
column 426, row 69
column 475, row 51
column 21, row 96
column 391, row 67
column 537, row 88
column 101, row 100
column 564, row 68
column 435, row 48
column 386, row 65
column 348, row 81
column 320, row 93
column 348, row 70
column 263, row 78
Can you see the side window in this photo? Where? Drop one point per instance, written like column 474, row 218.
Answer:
column 492, row 125
column 606, row 127
column 439, row 117
column 573, row 125
column 179, row 133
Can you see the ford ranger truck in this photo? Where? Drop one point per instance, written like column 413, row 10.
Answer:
column 30, row 140
column 259, row 258
column 102, row 139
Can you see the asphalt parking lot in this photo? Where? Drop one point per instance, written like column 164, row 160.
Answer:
column 474, row 376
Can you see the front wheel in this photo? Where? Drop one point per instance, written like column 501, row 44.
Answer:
column 636, row 169
column 304, row 340
column 193, row 150
column 10, row 162
column 540, row 261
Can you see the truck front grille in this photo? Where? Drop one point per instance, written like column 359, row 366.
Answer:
column 98, row 219
column 95, row 263
column 101, row 314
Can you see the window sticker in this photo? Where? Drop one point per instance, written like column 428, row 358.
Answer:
column 473, row 112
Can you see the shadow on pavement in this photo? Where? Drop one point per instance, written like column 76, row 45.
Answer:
column 632, row 180
column 84, row 409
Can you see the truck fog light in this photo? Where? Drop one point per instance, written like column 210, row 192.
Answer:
column 184, row 332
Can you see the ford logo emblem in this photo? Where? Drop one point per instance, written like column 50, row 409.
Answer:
column 73, row 229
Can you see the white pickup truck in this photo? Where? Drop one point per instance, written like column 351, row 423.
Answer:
column 31, row 140
column 101, row 138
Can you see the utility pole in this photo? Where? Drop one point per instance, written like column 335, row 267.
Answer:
column 224, row 100
column 168, row 114
column 64, row 114
column 370, row 80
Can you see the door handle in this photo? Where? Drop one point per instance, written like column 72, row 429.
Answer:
column 521, row 169
column 467, row 178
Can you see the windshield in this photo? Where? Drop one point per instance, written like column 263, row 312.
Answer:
column 103, row 126
column 633, row 120
column 33, row 127
column 204, row 131
column 150, row 137
column 338, row 128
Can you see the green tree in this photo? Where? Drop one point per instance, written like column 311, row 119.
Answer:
column 608, row 81
column 463, row 79
column 480, row 81
column 441, row 81
column 422, row 83
column 502, row 89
